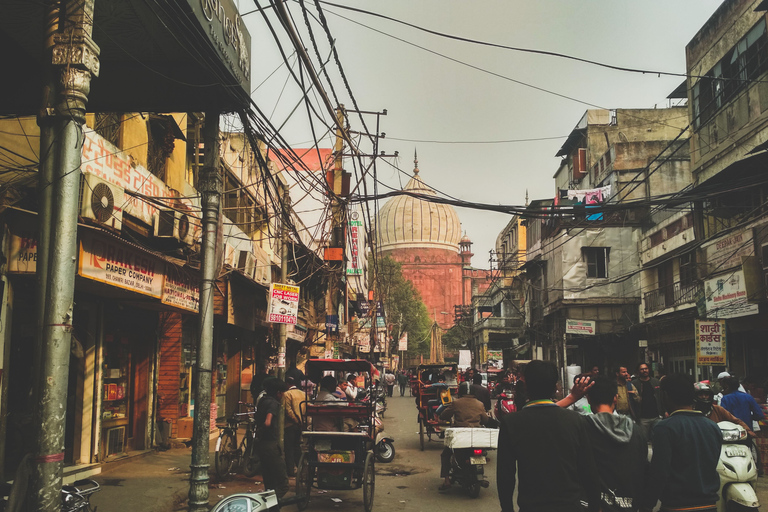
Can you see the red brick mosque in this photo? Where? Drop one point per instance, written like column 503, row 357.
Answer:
column 425, row 238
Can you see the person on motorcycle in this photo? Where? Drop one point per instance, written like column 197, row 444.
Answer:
column 704, row 403
column 466, row 411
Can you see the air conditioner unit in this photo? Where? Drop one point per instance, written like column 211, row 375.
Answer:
column 263, row 274
column 173, row 224
column 101, row 201
column 246, row 262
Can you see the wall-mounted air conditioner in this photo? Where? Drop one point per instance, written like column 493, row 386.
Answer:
column 246, row 262
column 174, row 224
column 101, row 201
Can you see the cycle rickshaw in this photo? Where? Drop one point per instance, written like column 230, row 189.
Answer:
column 343, row 458
column 431, row 393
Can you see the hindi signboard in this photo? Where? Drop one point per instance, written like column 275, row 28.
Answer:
column 181, row 289
column 355, row 249
column 283, row 303
column 710, row 343
column 402, row 343
column 107, row 260
column 580, row 327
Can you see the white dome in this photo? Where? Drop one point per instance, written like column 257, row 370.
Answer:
column 406, row 221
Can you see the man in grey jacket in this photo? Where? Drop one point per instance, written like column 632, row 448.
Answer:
column 619, row 449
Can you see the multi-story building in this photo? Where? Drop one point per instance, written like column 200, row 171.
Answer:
column 583, row 263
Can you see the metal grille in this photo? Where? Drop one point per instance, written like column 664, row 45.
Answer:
column 115, row 440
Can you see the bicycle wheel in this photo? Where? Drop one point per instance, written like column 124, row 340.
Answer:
column 304, row 477
column 251, row 462
column 226, row 453
column 369, row 482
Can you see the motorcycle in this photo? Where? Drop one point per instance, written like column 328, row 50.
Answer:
column 505, row 404
column 469, row 447
column 737, row 470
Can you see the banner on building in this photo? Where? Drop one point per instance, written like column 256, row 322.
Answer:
column 726, row 252
column 181, row 289
column 355, row 248
column 381, row 342
column 726, row 296
column 711, row 343
column 402, row 343
column 495, row 355
column 363, row 342
column 580, row 327
column 107, row 260
column 283, row 303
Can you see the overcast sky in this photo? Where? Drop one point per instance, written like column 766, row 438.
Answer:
column 432, row 98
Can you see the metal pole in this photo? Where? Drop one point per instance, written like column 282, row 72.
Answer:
column 209, row 185
column 283, row 327
column 75, row 57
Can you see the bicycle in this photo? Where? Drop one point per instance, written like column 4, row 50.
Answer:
column 228, row 452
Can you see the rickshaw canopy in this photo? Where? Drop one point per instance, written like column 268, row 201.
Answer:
column 316, row 367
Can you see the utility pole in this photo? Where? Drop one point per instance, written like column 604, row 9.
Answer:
column 210, row 186
column 337, row 216
column 283, row 327
column 74, row 62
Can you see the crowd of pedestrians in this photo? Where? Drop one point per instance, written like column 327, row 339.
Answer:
column 558, row 460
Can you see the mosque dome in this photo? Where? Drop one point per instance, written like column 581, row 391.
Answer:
column 406, row 221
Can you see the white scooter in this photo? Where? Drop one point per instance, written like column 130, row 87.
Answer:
column 737, row 470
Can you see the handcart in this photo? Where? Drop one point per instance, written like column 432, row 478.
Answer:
column 431, row 394
column 342, row 458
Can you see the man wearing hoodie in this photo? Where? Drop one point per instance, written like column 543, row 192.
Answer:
column 619, row 448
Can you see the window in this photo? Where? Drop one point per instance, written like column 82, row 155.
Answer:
column 747, row 60
column 597, row 261
column 688, row 269
column 108, row 126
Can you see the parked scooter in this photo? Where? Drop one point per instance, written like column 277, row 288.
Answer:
column 738, row 472
column 384, row 446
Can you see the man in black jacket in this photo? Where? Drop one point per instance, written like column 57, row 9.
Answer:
column 650, row 409
column 619, row 447
column 550, row 447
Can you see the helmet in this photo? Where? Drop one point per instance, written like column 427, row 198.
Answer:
column 703, row 397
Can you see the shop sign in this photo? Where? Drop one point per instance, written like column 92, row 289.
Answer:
column 22, row 258
column 102, row 158
column 112, row 262
column 354, row 261
column 283, row 303
column 296, row 332
column 402, row 343
column 495, row 355
column 710, row 343
column 332, row 323
column 726, row 296
column 580, row 327
column 181, row 289
column 726, row 253
column 226, row 31
column 381, row 342
column 363, row 342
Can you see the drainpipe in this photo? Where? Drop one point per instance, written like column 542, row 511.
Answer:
column 75, row 58
column 209, row 186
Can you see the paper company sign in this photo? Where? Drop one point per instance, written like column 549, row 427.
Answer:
column 283, row 303
column 181, row 289
column 710, row 342
column 112, row 262
column 727, row 296
column 22, row 258
column 580, row 327
column 354, row 264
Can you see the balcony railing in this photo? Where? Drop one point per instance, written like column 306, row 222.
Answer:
column 669, row 296
column 494, row 322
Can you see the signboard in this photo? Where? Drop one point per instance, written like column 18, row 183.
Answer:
column 726, row 296
column 181, row 289
column 710, row 343
column 22, row 257
column 363, row 342
column 402, row 343
column 381, row 342
column 332, row 323
column 496, row 355
column 726, row 253
column 226, row 32
column 112, row 262
column 395, row 362
column 580, row 327
column 355, row 249
column 283, row 303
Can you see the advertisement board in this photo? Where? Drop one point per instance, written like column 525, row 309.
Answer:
column 355, row 249
column 726, row 296
column 283, row 303
column 402, row 343
column 181, row 289
column 580, row 327
column 107, row 260
column 710, row 343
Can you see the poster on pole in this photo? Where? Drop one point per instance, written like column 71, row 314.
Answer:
column 402, row 344
column 283, row 303
column 710, row 343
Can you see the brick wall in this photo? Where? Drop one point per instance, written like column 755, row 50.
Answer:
column 169, row 365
